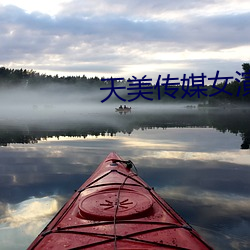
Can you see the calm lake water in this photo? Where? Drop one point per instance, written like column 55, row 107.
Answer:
column 197, row 160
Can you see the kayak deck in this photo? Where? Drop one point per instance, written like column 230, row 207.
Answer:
column 116, row 209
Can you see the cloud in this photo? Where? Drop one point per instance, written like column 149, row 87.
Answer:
column 140, row 10
column 106, row 37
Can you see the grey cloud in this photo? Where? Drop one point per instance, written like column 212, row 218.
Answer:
column 141, row 8
column 224, row 31
column 219, row 31
column 27, row 37
column 99, row 68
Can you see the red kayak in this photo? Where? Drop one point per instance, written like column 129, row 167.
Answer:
column 116, row 209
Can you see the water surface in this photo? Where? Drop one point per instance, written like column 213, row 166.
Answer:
column 194, row 160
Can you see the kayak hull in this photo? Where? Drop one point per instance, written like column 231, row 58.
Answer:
column 116, row 209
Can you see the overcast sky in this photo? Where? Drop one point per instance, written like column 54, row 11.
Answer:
column 125, row 38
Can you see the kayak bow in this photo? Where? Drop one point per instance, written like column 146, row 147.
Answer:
column 116, row 209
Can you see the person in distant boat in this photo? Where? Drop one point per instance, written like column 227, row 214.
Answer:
column 120, row 107
column 125, row 106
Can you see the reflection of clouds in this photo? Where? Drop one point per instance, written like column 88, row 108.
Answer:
column 228, row 203
column 228, row 239
column 222, row 219
column 22, row 222
column 185, row 139
column 146, row 144
column 234, row 156
column 146, row 141
column 176, row 143
column 29, row 213
column 48, row 158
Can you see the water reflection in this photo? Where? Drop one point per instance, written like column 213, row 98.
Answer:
column 200, row 171
column 31, row 210
column 110, row 123
column 21, row 221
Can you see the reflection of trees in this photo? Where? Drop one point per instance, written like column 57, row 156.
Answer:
column 8, row 137
column 245, row 144
column 231, row 121
column 237, row 122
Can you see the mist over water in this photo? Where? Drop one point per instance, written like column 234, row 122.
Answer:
column 61, row 103
column 58, row 109
column 53, row 102
column 58, row 102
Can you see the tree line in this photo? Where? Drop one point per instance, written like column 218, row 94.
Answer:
column 223, row 92
column 31, row 78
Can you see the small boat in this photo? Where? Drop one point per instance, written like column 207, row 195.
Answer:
column 116, row 209
column 123, row 110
